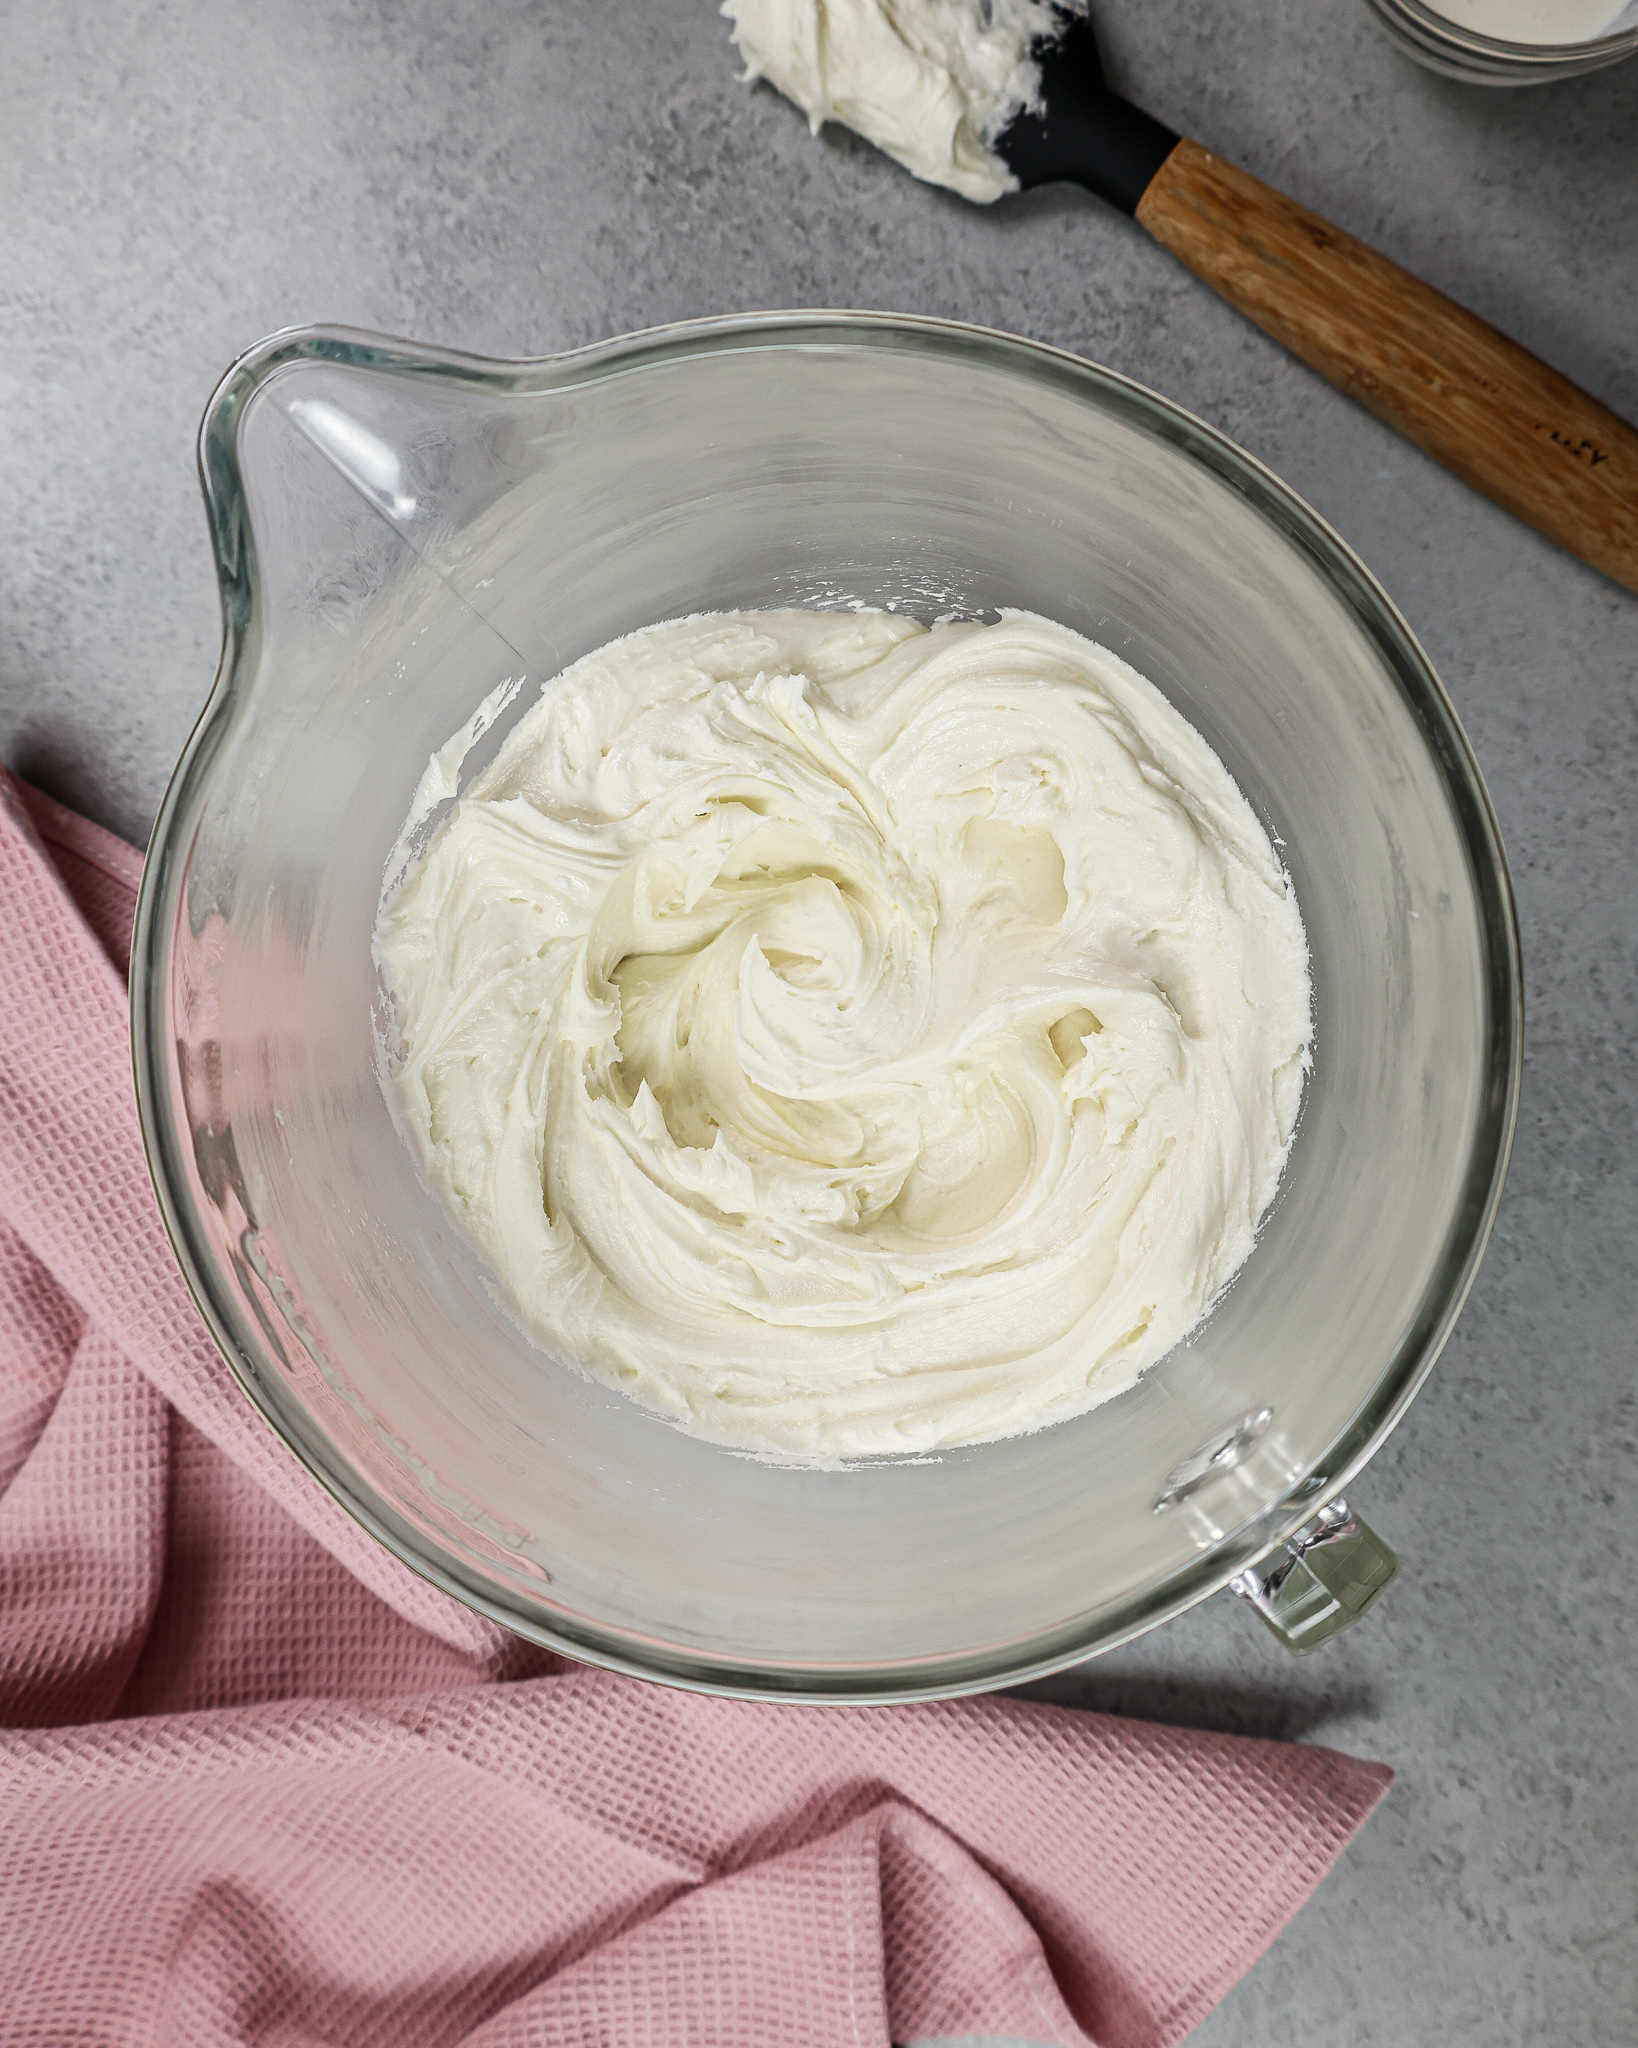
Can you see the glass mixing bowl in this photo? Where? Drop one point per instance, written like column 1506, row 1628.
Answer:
column 400, row 530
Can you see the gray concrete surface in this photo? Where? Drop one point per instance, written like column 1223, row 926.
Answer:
column 177, row 179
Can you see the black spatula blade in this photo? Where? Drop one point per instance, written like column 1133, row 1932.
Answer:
column 1086, row 134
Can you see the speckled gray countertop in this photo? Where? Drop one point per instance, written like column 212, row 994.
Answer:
column 178, row 179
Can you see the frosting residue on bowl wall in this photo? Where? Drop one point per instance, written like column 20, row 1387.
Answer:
column 848, row 1037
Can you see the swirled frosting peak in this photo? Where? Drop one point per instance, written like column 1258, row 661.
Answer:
column 848, row 1037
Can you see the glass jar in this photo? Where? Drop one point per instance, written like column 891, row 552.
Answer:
column 1507, row 42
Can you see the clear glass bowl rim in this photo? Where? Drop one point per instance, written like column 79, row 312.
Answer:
column 159, row 899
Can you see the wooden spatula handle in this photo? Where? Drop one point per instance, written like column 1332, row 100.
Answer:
column 1486, row 408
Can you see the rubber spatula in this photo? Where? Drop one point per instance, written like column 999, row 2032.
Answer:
column 1486, row 408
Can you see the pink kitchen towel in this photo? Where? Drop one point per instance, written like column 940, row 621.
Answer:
column 260, row 1783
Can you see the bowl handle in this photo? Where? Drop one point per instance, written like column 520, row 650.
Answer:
column 1322, row 1581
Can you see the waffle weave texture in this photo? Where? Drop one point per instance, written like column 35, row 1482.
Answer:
column 260, row 1783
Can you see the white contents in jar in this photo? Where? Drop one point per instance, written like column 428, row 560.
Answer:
column 1538, row 21
column 848, row 1037
column 931, row 82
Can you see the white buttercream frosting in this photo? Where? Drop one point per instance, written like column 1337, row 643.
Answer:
column 848, row 1037
column 931, row 82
